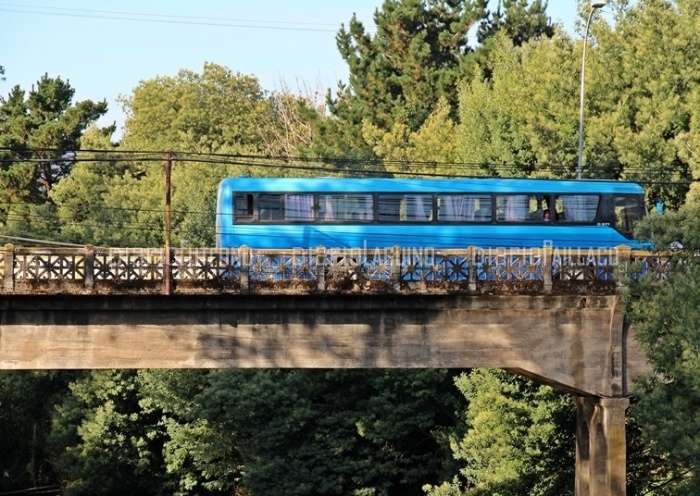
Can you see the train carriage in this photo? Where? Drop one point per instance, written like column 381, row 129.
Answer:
column 438, row 213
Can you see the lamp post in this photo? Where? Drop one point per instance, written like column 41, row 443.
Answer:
column 594, row 6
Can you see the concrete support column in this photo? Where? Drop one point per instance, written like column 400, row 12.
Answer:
column 601, row 449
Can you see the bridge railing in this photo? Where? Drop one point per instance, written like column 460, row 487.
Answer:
column 93, row 270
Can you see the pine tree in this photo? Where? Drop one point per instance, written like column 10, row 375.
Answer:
column 417, row 56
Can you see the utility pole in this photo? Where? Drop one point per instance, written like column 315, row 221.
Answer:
column 167, row 268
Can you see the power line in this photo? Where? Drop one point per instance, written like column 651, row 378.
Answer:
column 43, row 241
column 165, row 18
column 345, row 165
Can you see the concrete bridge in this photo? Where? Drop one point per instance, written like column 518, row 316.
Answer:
column 551, row 316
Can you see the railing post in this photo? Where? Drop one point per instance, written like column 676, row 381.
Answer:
column 89, row 265
column 624, row 256
column 396, row 268
column 244, row 261
column 9, row 267
column 547, row 265
column 321, row 268
column 167, row 271
column 471, row 268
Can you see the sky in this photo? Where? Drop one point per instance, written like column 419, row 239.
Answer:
column 104, row 49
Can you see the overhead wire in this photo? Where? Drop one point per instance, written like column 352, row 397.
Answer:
column 41, row 241
column 342, row 165
column 166, row 18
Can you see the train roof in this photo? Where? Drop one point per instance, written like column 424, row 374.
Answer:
column 423, row 185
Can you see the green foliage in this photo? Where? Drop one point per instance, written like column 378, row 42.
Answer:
column 197, row 458
column 335, row 432
column 519, row 441
column 519, row 122
column 415, row 60
column 519, row 21
column 122, row 203
column 106, row 203
column 26, row 402
column 416, row 152
column 48, row 123
column 255, row 432
column 514, row 20
column 101, row 438
column 666, row 318
column 38, row 131
column 216, row 111
column 640, row 102
column 646, row 64
column 689, row 147
column 397, row 75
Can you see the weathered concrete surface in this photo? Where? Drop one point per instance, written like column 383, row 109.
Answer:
column 601, row 450
column 577, row 343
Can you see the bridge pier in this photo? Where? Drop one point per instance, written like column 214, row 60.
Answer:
column 601, row 448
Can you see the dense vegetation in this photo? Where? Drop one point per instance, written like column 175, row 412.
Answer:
column 422, row 98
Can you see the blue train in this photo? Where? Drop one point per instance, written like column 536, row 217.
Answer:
column 437, row 213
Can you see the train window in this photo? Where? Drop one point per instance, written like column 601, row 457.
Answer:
column 405, row 208
column 628, row 210
column 521, row 208
column 464, row 208
column 299, row 207
column 353, row 207
column 270, row 207
column 576, row 208
column 243, row 207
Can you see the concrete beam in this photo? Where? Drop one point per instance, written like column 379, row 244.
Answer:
column 575, row 343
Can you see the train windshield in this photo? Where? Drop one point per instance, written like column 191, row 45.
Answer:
column 628, row 211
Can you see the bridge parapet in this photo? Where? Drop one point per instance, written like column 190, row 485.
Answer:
column 93, row 270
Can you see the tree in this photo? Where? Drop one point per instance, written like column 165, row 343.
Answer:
column 45, row 128
column 519, row 438
column 217, row 111
column 688, row 143
column 641, row 101
column 269, row 432
column 521, row 121
column 665, row 316
column 39, row 135
column 27, row 399
column 209, row 117
column 417, row 56
column 416, row 152
column 198, row 459
column 102, row 439
column 519, row 21
column 397, row 75
column 290, row 125
column 335, row 432
column 513, row 19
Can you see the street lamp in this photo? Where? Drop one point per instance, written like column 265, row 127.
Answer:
column 594, row 6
